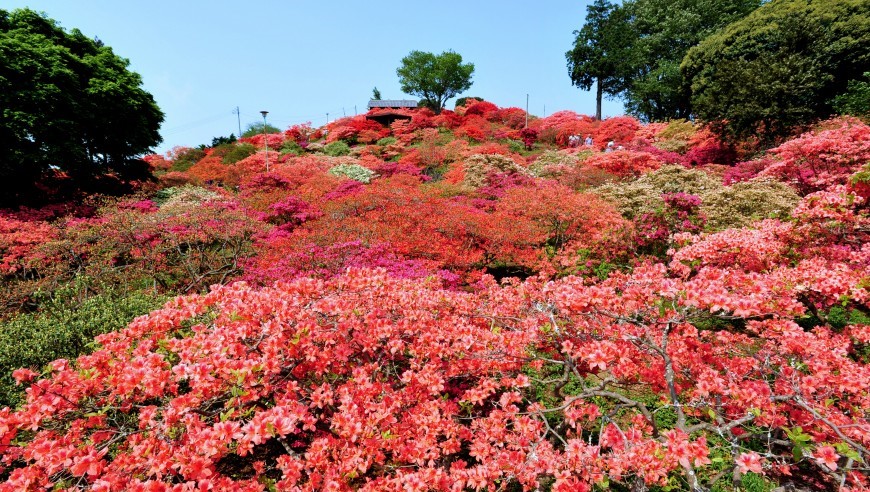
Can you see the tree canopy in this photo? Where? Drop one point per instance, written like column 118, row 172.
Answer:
column 664, row 32
column 435, row 78
column 601, row 50
column 779, row 67
column 69, row 106
column 634, row 50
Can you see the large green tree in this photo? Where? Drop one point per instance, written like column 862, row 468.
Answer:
column 69, row 104
column 663, row 32
column 435, row 78
column 601, row 52
column 779, row 67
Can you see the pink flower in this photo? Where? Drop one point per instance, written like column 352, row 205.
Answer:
column 827, row 456
column 749, row 462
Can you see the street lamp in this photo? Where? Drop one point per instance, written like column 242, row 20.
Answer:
column 265, row 142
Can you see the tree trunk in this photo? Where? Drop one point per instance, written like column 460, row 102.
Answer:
column 598, row 93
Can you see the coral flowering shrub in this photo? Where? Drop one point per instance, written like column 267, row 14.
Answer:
column 373, row 383
column 623, row 163
column 824, row 157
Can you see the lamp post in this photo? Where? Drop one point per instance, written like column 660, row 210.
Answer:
column 265, row 142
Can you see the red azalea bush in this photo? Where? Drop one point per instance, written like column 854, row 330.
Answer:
column 370, row 382
column 19, row 241
column 680, row 214
column 619, row 129
column 623, row 163
column 824, row 157
column 356, row 129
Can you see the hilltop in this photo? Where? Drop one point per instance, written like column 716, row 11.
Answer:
column 452, row 301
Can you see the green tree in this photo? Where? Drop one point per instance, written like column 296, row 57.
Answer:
column 258, row 129
column 376, row 94
column 601, row 51
column 856, row 99
column 780, row 67
column 435, row 78
column 69, row 104
column 663, row 31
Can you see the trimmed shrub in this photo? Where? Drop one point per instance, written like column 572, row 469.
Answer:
column 336, row 149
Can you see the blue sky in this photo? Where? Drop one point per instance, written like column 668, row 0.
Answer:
column 302, row 60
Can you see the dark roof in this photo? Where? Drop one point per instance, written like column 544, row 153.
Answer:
column 393, row 103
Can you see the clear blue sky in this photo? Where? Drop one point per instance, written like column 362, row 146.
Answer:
column 300, row 60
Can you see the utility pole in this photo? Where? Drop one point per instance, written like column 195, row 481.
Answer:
column 527, row 110
column 354, row 110
column 239, row 117
column 265, row 141
column 342, row 112
column 545, row 112
column 327, row 118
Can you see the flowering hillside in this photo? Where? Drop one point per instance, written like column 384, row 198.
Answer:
column 452, row 302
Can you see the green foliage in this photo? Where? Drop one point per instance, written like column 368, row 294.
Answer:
column 435, row 78
column 353, row 171
column 291, row 147
column 376, row 94
column 186, row 158
column 741, row 204
column 239, row 152
column 478, row 166
column 258, row 129
column 779, row 67
column 69, row 103
column 675, row 138
column 387, row 141
column 664, row 31
column 64, row 328
column 856, row 100
column 516, row 146
column 737, row 205
column 601, row 51
column 336, row 149
column 217, row 141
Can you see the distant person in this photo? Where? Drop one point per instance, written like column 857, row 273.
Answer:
column 588, row 141
column 610, row 145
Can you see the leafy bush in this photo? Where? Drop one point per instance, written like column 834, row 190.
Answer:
column 336, row 149
column 238, row 152
column 386, row 141
column 678, row 179
column 477, row 167
column 180, row 197
column 643, row 196
column 724, row 206
column 856, row 100
column 184, row 158
column 291, row 147
column 64, row 328
column 742, row 203
column 353, row 171
column 516, row 146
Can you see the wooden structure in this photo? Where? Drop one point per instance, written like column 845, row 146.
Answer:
column 386, row 111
